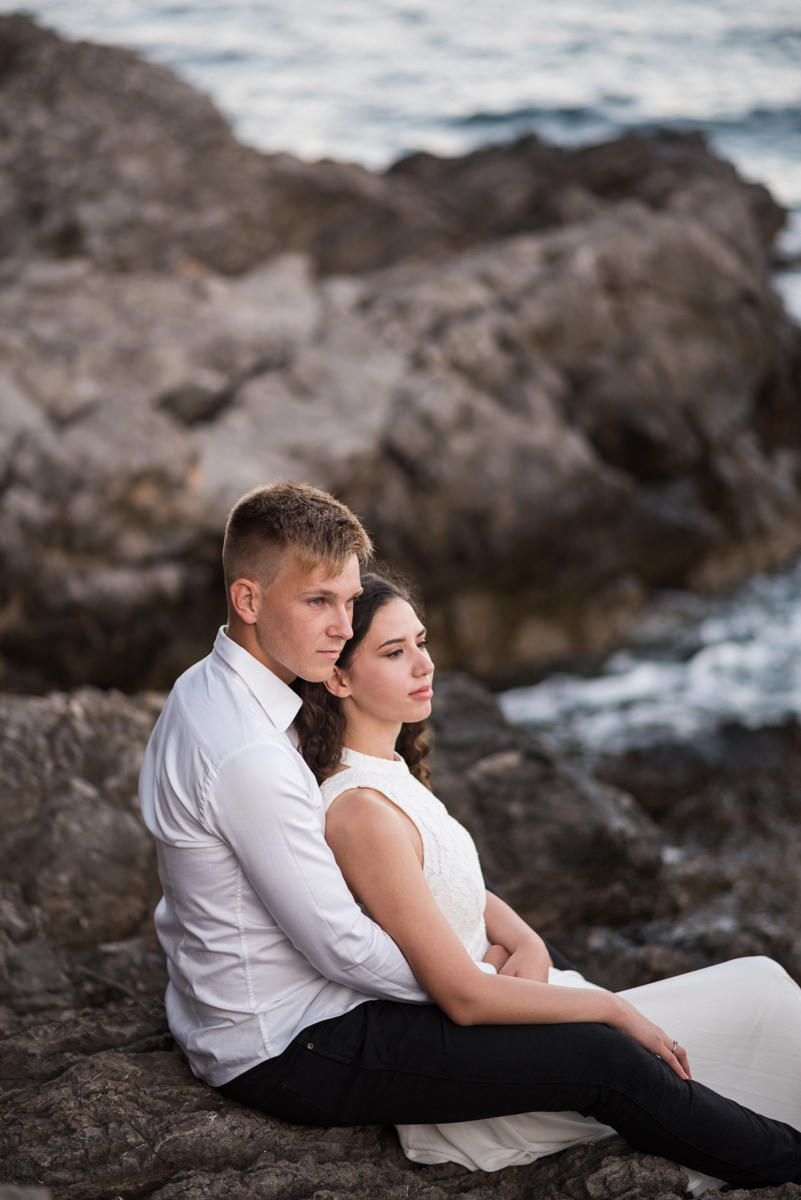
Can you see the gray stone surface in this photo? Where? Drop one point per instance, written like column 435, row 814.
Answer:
column 9, row 1192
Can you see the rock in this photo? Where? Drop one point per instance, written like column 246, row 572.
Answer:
column 108, row 157
column 532, row 185
column 732, row 780
column 728, row 803
column 80, row 881
column 45, row 1050
column 96, row 1102
column 562, row 849
column 139, row 1123
column 9, row 1192
column 567, row 342
column 100, row 149
column 73, row 841
column 138, row 408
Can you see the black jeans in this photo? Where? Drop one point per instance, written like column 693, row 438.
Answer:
column 399, row 1063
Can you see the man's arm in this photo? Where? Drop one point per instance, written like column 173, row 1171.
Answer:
column 261, row 806
column 558, row 959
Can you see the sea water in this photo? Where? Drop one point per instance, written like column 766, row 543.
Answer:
column 693, row 664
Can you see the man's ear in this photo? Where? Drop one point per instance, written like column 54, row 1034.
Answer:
column 337, row 685
column 245, row 600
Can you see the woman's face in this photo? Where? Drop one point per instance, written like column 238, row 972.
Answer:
column 389, row 677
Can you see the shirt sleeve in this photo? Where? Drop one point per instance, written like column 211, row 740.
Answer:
column 263, row 807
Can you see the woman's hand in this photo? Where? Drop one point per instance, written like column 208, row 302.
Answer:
column 629, row 1020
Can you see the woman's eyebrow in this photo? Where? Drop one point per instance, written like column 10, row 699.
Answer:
column 391, row 641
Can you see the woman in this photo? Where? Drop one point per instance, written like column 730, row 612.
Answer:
column 416, row 872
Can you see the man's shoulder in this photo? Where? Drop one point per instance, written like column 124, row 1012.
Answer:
column 211, row 704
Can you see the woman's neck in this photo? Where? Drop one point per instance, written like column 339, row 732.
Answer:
column 374, row 738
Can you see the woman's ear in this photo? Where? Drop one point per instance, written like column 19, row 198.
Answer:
column 337, row 684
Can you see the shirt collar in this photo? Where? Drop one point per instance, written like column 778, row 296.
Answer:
column 276, row 698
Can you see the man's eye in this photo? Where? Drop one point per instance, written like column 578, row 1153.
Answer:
column 316, row 601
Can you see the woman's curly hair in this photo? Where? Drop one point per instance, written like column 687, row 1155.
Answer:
column 321, row 721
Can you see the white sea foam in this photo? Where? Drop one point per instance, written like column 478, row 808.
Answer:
column 740, row 660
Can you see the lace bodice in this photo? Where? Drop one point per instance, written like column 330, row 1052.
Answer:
column 450, row 859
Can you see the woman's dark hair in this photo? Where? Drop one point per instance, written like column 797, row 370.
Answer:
column 321, row 721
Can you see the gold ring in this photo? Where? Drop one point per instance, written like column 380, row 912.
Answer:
column 673, row 1048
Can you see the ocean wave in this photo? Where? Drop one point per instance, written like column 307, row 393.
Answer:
column 739, row 660
column 533, row 113
column 783, row 119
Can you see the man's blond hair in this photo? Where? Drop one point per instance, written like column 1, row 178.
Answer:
column 269, row 520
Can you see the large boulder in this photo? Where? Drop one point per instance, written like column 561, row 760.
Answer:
column 492, row 419
column 569, row 343
column 106, row 156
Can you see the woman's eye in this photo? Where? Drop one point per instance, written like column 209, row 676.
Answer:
column 394, row 653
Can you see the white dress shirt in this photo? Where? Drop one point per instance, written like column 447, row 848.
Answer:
column 261, row 934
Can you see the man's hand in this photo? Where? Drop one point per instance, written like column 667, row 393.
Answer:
column 496, row 956
column 527, row 955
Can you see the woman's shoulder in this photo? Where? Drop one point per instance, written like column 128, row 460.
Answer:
column 361, row 810
column 369, row 817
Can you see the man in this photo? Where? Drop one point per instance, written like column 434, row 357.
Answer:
column 281, row 992
column 261, row 934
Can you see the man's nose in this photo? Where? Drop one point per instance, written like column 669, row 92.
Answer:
column 342, row 626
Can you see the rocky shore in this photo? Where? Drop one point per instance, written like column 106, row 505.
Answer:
column 552, row 382
column 633, row 885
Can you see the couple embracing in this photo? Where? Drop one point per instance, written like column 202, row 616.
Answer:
column 334, row 957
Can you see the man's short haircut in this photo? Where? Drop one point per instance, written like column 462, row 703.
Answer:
column 320, row 528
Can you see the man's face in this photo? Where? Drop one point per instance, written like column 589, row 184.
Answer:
column 304, row 618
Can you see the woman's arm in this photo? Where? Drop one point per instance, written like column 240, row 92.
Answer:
column 528, row 956
column 370, row 841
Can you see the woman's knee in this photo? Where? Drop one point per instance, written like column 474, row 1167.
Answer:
column 755, row 970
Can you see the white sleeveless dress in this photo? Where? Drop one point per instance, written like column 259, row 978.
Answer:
column 739, row 1021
